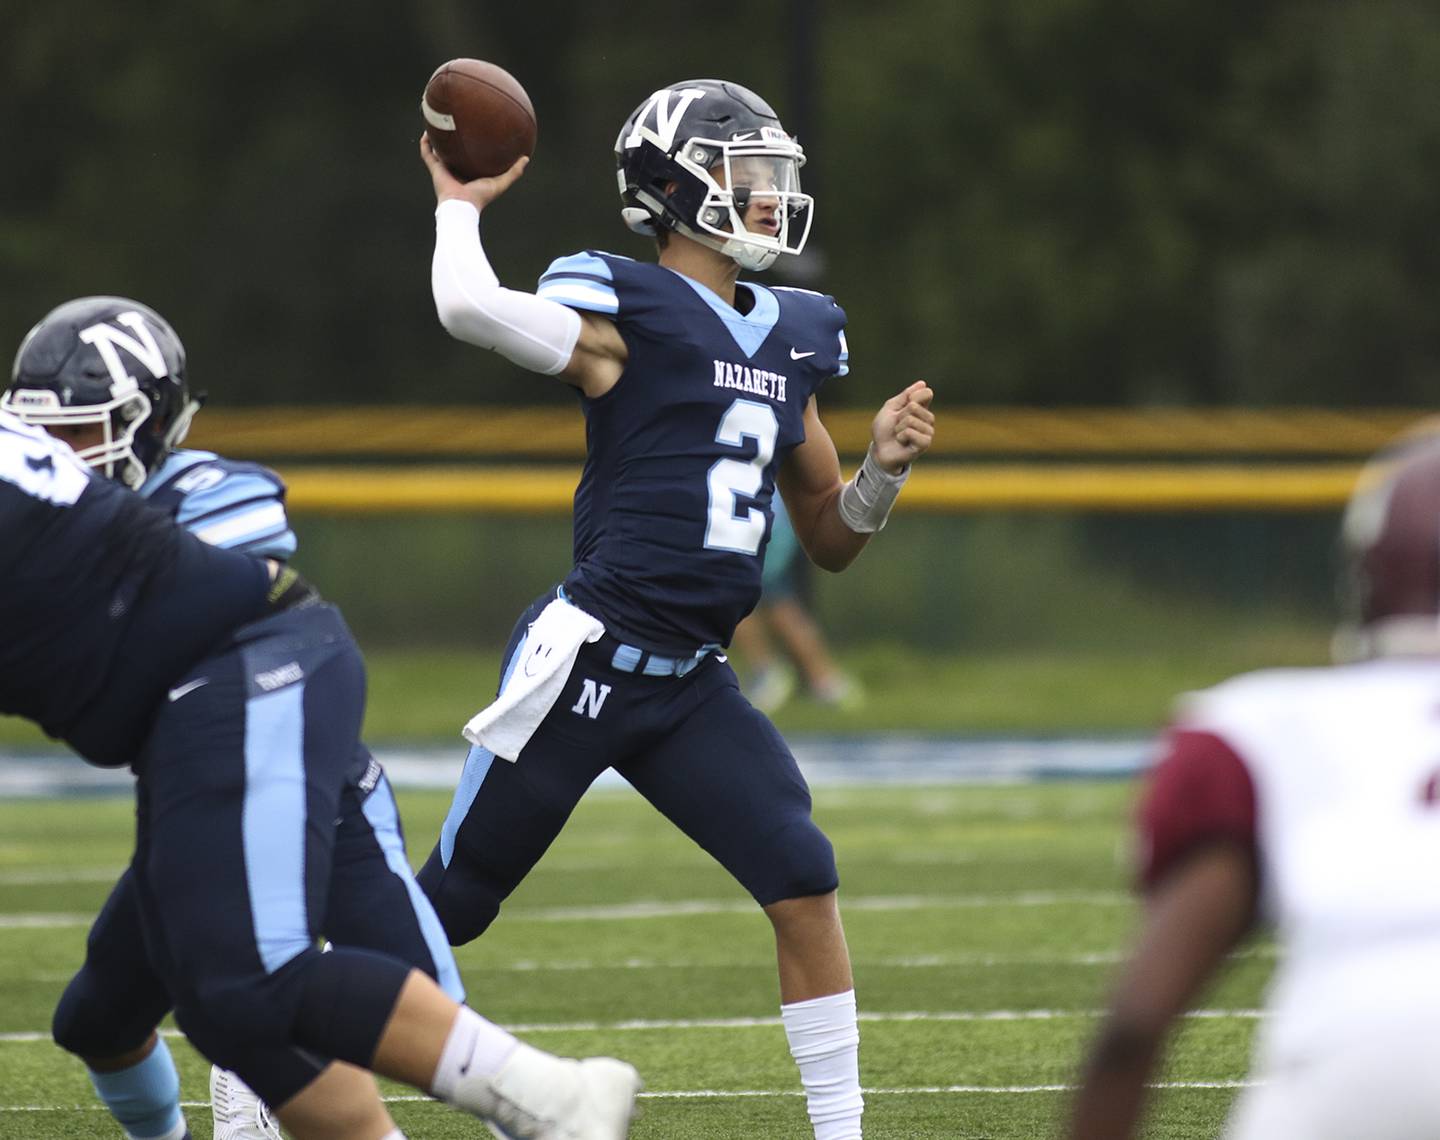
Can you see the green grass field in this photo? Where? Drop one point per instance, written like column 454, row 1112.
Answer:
column 427, row 694
column 985, row 923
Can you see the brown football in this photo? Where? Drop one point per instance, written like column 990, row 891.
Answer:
column 479, row 118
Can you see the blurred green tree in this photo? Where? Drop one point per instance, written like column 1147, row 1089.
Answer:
column 1061, row 201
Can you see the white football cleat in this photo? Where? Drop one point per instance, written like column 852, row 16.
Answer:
column 239, row 1113
column 537, row 1096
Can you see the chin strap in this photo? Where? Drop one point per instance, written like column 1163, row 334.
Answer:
column 748, row 257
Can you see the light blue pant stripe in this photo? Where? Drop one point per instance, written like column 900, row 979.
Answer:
column 477, row 763
column 384, row 819
column 274, row 824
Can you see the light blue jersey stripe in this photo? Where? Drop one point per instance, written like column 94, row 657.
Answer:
column 273, row 824
column 749, row 329
column 477, row 764
column 580, row 281
column 175, row 462
column 384, row 818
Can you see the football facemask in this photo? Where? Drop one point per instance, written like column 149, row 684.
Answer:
column 702, row 158
column 118, row 418
column 761, row 183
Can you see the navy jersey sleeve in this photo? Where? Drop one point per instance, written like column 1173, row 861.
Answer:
column 832, row 352
column 581, row 281
column 226, row 503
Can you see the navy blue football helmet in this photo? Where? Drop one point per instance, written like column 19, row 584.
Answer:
column 692, row 158
column 108, row 361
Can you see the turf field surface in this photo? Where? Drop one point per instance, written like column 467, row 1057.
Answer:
column 985, row 922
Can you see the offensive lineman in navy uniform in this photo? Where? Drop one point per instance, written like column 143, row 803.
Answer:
column 236, row 695
column 129, row 428
column 699, row 396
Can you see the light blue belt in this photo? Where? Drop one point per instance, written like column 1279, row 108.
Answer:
column 633, row 659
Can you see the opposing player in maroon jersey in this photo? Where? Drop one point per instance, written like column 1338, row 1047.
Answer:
column 1306, row 798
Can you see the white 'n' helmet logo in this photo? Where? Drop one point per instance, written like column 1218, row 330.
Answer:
column 107, row 338
column 669, row 106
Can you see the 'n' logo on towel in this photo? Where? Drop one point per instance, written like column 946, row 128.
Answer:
column 592, row 698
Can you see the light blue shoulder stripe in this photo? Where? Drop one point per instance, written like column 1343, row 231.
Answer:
column 238, row 512
column 580, row 281
column 749, row 329
column 175, row 462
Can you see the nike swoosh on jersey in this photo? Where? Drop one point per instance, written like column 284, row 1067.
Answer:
column 797, row 355
column 176, row 693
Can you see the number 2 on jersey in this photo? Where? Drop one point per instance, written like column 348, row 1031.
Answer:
column 729, row 479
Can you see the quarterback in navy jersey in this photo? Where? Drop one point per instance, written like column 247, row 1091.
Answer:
column 292, row 729
column 699, row 394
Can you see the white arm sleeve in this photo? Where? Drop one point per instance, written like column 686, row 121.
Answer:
column 534, row 333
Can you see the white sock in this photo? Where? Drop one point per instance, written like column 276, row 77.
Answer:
column 824, row 1036
column 475, row 1048
column 396, row 1135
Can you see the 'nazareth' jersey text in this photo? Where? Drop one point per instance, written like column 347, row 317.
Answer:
column 756, row 381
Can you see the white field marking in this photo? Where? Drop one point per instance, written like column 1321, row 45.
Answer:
column 723, row 1094
column 30, row 1037
column 60, row 878
column 901, row 962
column 43, row 921
column 675, row 909
column 624, row 911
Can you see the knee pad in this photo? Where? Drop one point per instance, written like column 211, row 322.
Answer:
column 804, row 865
column 346, row 999
column 254, row 1009
column 275, row 1074
column 98, row 1017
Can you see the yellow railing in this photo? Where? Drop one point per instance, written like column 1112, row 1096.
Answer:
column 1071, row 459
column 557, row 431
column 934, row 488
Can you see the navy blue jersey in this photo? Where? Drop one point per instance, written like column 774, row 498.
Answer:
column 673, row 510
column 103, row 600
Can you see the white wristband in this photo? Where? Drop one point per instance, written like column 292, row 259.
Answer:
column 866, row 500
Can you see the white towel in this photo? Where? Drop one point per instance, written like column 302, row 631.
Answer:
column 542, row 666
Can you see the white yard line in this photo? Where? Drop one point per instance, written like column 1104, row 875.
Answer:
column 902, row 1016
column 60, row 878
column 624, row 912
column 726, row 1094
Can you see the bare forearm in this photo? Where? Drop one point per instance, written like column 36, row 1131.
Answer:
column 1112, row 1093
column 830, row 543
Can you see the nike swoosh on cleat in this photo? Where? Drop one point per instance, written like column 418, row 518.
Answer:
column 794, row 355
column 176, row 693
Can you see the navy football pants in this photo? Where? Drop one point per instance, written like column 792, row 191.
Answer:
column 693, row 746
column 262, row 824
